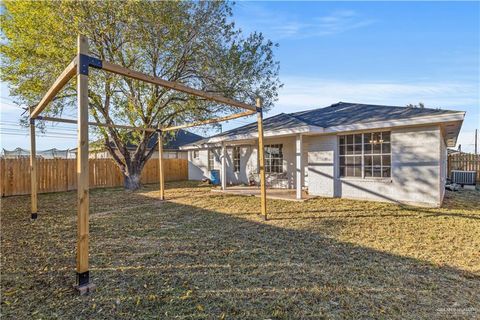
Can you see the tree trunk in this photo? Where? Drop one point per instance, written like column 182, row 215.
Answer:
column 132, row 177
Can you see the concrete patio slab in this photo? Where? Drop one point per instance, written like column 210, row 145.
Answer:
column 279, row 194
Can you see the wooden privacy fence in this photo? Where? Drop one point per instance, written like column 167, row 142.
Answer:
column 56, row 175
column 464, row 161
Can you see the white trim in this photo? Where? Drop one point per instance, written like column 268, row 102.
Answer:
column 242, row 143
column 223, row 175
column 298, row 165
column 457, row 116
column 267, row 134
column 368, row 179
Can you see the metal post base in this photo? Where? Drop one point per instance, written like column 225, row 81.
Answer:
column 263, row 217
column 34, row 215
column 84, row 286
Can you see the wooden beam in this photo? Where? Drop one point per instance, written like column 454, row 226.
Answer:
column 33, row 169
column 160, row 166
column 261, row 159
column 83, row 203
column 199, row 123
column 97, row 124
column 107, row 66
column 59, row 83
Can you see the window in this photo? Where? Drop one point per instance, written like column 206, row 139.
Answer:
column 377, row 154
column 196, row 154
column 365, row 155
column 236, row 159
column 351, row 155
column 274, row 158
column 212, row 158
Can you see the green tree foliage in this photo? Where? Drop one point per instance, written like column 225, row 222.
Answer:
column 194, row 43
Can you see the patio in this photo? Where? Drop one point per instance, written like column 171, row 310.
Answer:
column 272, row 193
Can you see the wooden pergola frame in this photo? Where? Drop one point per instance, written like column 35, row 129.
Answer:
column 79, row 67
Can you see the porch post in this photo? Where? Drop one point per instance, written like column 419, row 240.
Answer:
column 33, row 167
column 223, row 176
column 298, row 165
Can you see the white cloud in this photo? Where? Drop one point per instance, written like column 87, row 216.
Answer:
column 301, row 92
column 338, row 22
column 280, row 26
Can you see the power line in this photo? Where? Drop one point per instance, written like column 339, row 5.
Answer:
column 63, row 132
column 46, row 129
column 42, row 136
column 51, row 130
column 39, row 133
column 17, row 123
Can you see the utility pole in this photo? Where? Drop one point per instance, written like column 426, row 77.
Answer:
column 476, row 140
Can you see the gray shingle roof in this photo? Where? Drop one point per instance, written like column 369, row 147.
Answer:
column 181, row 137
column 342, row 113
column 278, row 122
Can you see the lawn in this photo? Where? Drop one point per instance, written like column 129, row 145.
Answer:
column 207, row 255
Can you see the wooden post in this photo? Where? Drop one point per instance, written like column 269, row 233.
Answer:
column 160, row 165
column 223, row 175
column 83, row 276
column 33, row 167
column 261, row 159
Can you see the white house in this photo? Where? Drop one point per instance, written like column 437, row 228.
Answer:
column 347, row 150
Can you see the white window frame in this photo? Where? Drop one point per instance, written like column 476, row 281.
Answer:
column 363, row 154
column 236, row 155
column 212, row 157
column 269, row 159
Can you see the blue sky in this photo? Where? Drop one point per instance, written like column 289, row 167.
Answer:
column 392, row 53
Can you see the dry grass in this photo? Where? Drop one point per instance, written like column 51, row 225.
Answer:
column 208, row 255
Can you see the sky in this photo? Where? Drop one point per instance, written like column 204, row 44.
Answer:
column 393, row 53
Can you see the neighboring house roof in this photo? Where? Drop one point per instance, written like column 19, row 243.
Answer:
column 338, row 117
column 180, row 138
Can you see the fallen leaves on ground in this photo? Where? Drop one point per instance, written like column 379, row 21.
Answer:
column 208, row 255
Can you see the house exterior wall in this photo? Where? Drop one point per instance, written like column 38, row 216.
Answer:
column 443, row 168
column 198, row 168
column 418, row 169
column 415, row 177
column 322, row 165
column 248, row 165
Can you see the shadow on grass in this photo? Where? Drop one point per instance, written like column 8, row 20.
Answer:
column 176, row 260
column 407, row 213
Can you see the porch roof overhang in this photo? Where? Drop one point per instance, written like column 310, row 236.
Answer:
column 450, row 125
column 250, row 137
